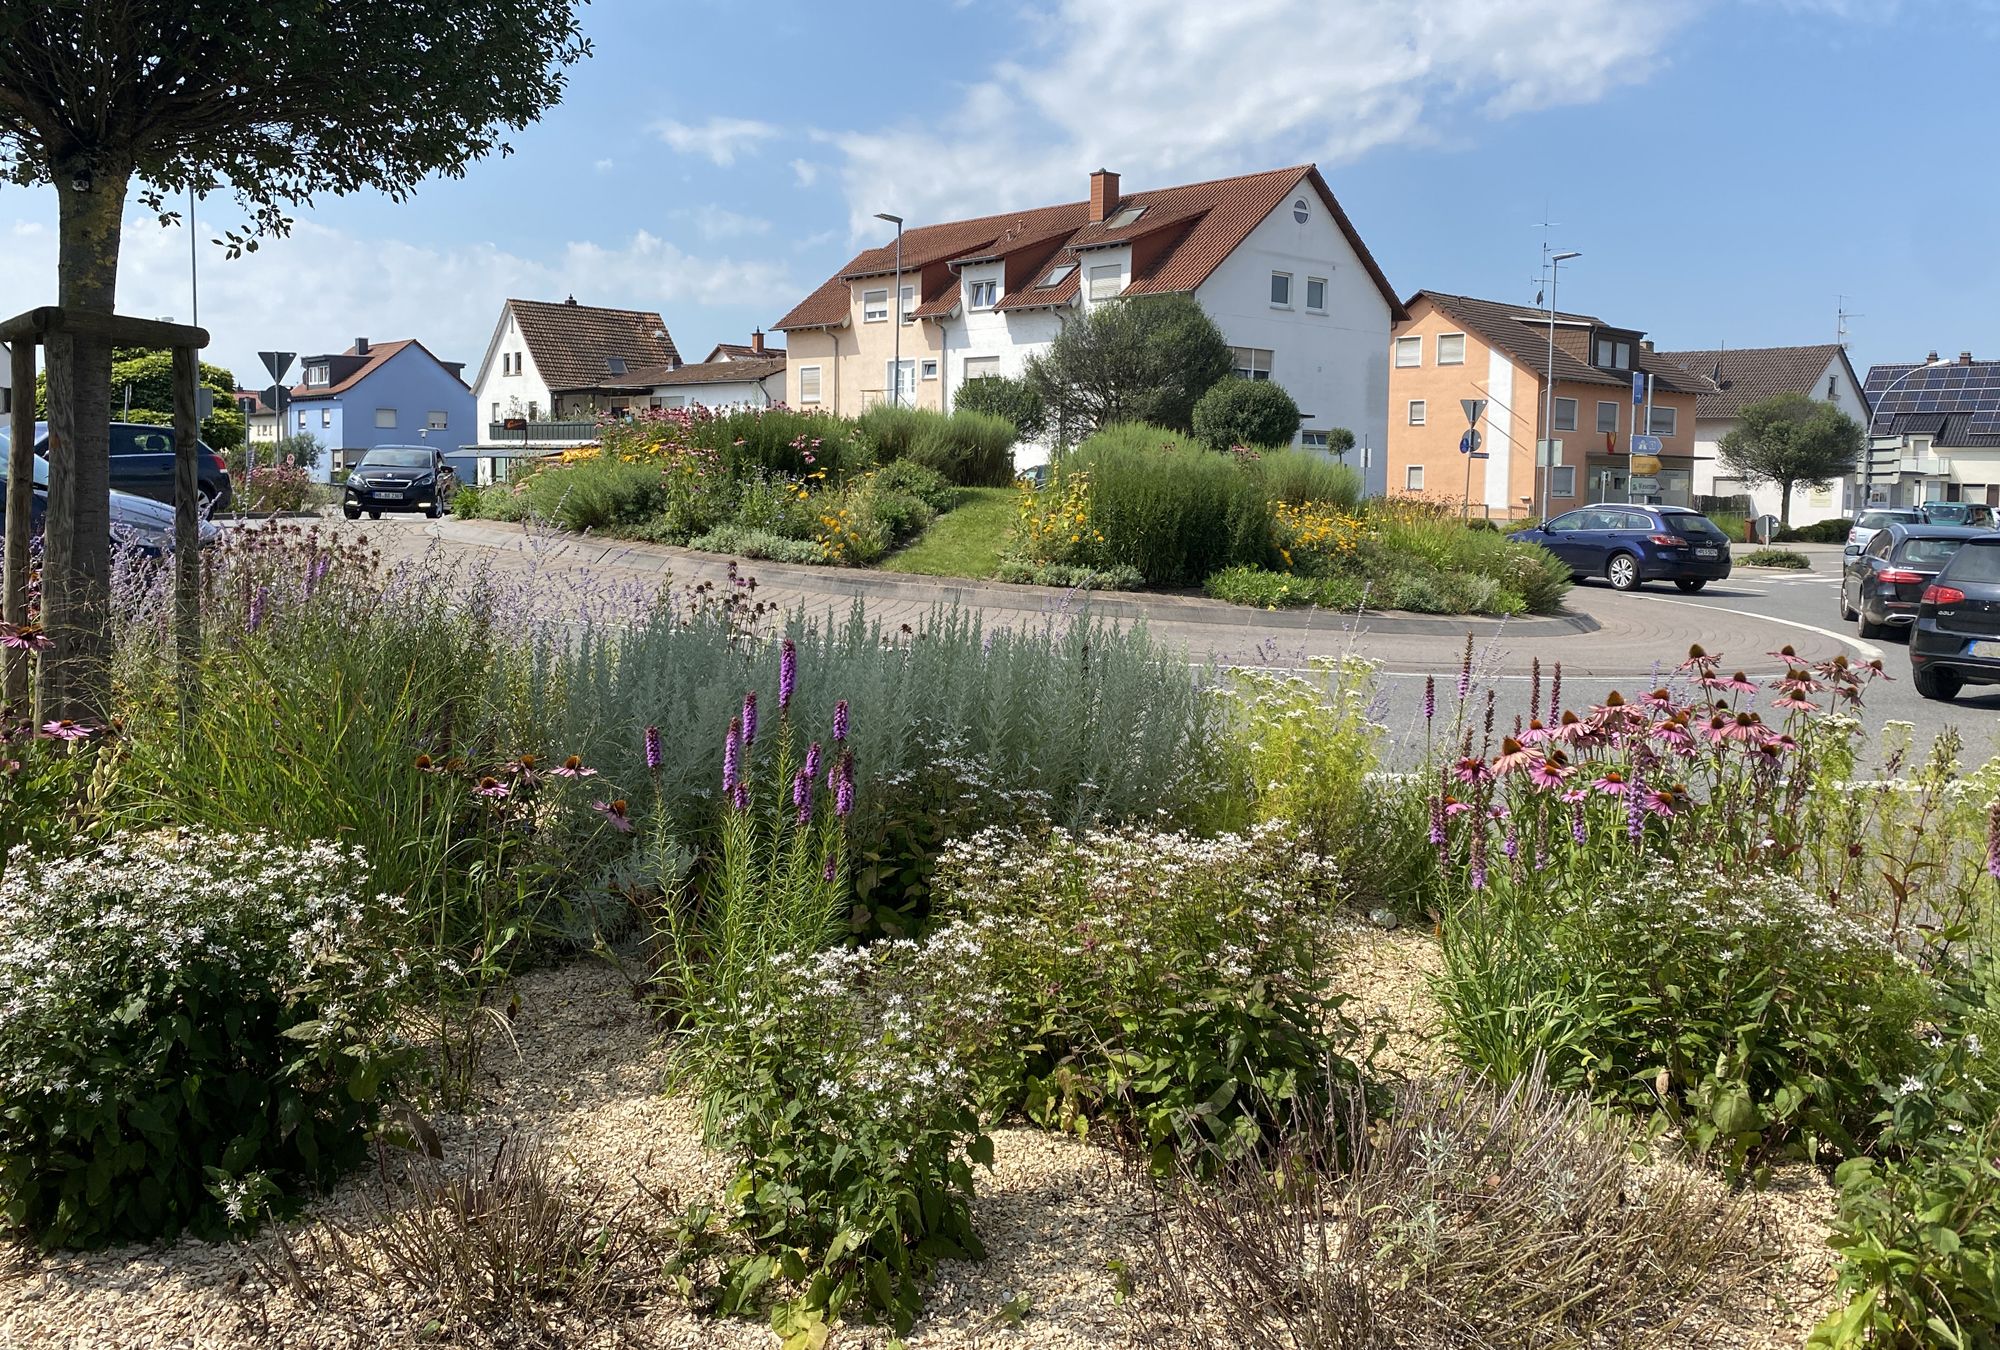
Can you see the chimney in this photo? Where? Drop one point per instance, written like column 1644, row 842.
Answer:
column 757, row 341
column 1965, row 358
column 1103, row 195
column 570, row 301
column 1932, row 356
column 1645, row 344
column 361, row 346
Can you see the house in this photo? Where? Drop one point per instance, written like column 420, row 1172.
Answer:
column 1750, row 375
column 1453, row 347
column 733, row 375
column 566, row 363
column 1272, row 257
column 1934, row 434
column 379, row 393
column 260, row 420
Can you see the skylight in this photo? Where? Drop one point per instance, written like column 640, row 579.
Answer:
column 1057, row 275
column 615, row 364
column 1124, row 218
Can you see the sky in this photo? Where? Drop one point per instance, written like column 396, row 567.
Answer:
column 1732, row 171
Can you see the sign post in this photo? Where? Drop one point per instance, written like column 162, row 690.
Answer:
column 1468, row 445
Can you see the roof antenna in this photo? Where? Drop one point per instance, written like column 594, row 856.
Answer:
column 1841, row 315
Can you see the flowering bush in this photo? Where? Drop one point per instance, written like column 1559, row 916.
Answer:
column 54, row 778
column 275, row 487
column 1314, row 537
column 190, row 1029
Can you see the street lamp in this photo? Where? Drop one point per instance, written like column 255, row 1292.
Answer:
column 896, row 308
column 1543, row 469
column 1874, row 412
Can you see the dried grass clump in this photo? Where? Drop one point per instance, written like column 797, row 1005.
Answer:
column 1462, row 1217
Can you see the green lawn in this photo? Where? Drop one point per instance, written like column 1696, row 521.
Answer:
column 965, row 542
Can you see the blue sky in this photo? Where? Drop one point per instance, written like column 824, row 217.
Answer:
column 1726, row 168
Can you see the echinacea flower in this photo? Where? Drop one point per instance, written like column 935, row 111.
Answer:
column 1548, row 770
column 1536, row 732
column 616, row 814
column 26, row 637
column 1471, row 769
column 1697, row 659
column 573, row 767
column 65, row 730
column 1611, row 783
column 492, row 787
column 1739, row 683
column 1512, row 756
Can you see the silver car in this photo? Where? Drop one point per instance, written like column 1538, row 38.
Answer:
column 1874, row 518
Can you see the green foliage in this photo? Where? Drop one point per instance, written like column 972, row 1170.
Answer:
column 967, row 447
column 1253, row 413
column 1282, row 590
column 912, row 479
column 1339, row 443
column 1071, row 577
column 1777, row 557
column 197, row 1028
column 1792, row 438
column 465, row 503
column 596, row 493
column 1148, row 359
column 775, row 440
column 1308, row 746
column 53, row 788
column 1007, row 397
column 1303, row 476
column 1819, row 532
column 745, row 542
column 272, row 488
column 147, row 376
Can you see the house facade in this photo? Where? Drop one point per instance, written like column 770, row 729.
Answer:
column 732, row 375
column 1750, row 375
column 1454, row 347
column 563, row 362
column 1934, row 433
column 260, row 420
column 1272, row 258
column 378, row 393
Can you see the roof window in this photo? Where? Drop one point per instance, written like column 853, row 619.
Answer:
column 1057, row 275
column 1124, row 217
column 615, row 364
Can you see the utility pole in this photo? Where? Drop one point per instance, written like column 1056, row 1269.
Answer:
column 896, row 311
column 1546, row 450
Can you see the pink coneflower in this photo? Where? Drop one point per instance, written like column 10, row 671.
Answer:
column 655, row 755
column 1548, row 770
column 65, row 730
column 1574, row 795
column 1572, row 730
column 1787, row 653
column 1739, row 683
column 1454, row 807
column 788, row 675
column 1471, row 769
column 491, row 787
column 573, row 767
column 1794, row 700
column 1668, row 801
column 616, row 814
column 1674, row 732
column 1697, row 659
column 1536, row 732
column 1746, row 728
column 1611, row 783
column 1659, row 700
column 1512, row 756
column 26, row 637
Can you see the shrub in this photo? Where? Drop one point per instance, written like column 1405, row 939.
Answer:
column 195, row 1028
column 1004, row 396
column 1253, row 413
column 769, row 504
column 1307, row 744
column 465, row 503
column 54, row 787
column 1298, row 477
column 776, row 440
column 969, row 448
column 1315, row 538
column 595, row 493
column 272, row 488
column 1260, row 587
column 746, row 542
column 1142, row 360
column 1776, row 557
column 1819, row 532
column 926, row 485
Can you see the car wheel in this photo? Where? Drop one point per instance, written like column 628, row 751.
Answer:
column 351, row 512
column 1622, row 572
column 1690, row 584
column 1866, row 627
column 1940, row 685
column 204, row 501
column 374, row 515
column 435, row 510
column 1847, row 614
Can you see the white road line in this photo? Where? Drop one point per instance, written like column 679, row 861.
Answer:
column 1867, row 649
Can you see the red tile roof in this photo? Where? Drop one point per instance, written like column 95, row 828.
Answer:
column 741, row 370
column 1197, row 226
column 741, row 351
column 378, row 353
column 574, row 345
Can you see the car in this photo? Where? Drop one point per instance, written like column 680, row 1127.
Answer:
column 1956, row 638
column 1873, row 519
column 1632, row 545
column 1882, row 585
column 142, row 463
column 399, row 478
column 1958, row 513
column 139, row 525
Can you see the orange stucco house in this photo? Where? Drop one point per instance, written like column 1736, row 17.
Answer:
column 1453, row 347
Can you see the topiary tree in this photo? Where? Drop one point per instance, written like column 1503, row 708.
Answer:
column 1255, row 413
column 1004, row 396
column 1339, row 441
column 1142, row 360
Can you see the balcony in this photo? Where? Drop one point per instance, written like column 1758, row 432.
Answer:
column 553, row 434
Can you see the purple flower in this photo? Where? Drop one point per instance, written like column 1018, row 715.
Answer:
column 259, row 598
column 732, row 756
column 655, row 757
column 1430, row 698
column 1535, row 689
column 788, row 675
column 802, row 796
column 615, row 814
column 739, row 797
column 812, row 762
column 1510, row 845
column 840, row 722
column 25, row 637
column 1993, row 841
column 1635, row 811
column 66, row 730
column 1576, row 824
column 1437, row 822
column 1478, row 876
column 750, row 719
column 843, row 791
column 1465, row 670
column 828, row 873
column 1556, row 690
column 316, row 573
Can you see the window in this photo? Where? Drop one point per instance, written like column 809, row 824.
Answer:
column 385, row 417
column 808, row 384
column 302, row 421
column 1607, row 415
column 496, row 413
column 1316, row 294
column 1451, row 349
column 978, row 368
column 325, row 418
column 1832, row 389
column 1417, row 412
column 1106, row 281
column 909, row 301
column 875, row 306
column 930, row 369
column 315, row 375
column 1604, row 351
column 1281, row 290
column 901, row 381
column 534, row 410
column 675, row 401
column 1565, row 414
column 1058, row 274
column 614, row 365
column 1562, row 480
column 1613, row 355
column 1124, row 218
column 1409, row 352
column 984, row 293
column 436, row 421
column 1624, row 356
column 1252, row 363
column 1300, row 211
column 1413, row 478
column 1312, row 440
column 1570, row 521
column 1664, row 421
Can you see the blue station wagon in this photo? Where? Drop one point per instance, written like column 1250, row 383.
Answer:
column 1631, row 545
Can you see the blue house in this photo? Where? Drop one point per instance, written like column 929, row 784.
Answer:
column 380, row 393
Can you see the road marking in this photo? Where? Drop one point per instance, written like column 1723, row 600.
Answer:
column 1867, row 649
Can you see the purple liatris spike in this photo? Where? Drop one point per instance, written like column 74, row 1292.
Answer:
column 1430, row 698
column 1576, row 824
column 812, row 762
column 1510, row 845
column 1535, row 687
column 260, row 599
column 731, row 757
column 1993, row 841
column 655, row 756
column 802, row 796
column 843, row 790
column 1465, row 670
column 828, row 872
column 1635, row 811
column 1556, row 692
column 739, row 797
column 1478, row 869
column 750, row 719
column 840, row 722
column 1437, row 821
column 788, row 675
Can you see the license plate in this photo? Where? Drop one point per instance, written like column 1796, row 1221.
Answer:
column 1991, row 649
column 1705, row 553
column 388, row 496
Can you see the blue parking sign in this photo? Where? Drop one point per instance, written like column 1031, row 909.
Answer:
column 1638, row 388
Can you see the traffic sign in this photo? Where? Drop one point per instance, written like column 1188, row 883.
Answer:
column 278, row 363
column 204, row 403
column 1644, row 483
column 1481, row 454
column 1638, row 388
column 1549, row 454
column 1645, row 445
column 1468, row 444
column 1474, row 408
column 1644, row 464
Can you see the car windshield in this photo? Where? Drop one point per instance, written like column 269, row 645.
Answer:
column 1875, row 520
column 395, row 459
column 1979, row 560
column 1931, row 553
column 1694, row 527
column 1948, row 513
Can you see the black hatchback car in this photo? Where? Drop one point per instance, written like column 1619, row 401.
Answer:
column 142, row 463
column 1631, row 545
column 1883, row 584
column 1956, row 640
column 399, row 478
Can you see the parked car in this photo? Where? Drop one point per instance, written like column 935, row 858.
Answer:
column 1873, row 519
column 1631, row 545
column 1882, row 585
column 138, row 524
column 399, row 478
column 1956, row 639
column 142, row 463
column 1958, row 513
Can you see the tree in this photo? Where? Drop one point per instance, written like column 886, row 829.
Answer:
column 1003, row 396
column 1255, row 413
column 1142, row 360
column 1790, row 439
column 277, row 101
column 147, row 378
column 1338, row 442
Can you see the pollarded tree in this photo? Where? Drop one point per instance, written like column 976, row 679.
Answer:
column 1790, row 439
column 276, row 101
column 1253, row 413
column 1147, row 359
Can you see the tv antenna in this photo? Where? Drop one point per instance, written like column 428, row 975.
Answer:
column 1841, row 315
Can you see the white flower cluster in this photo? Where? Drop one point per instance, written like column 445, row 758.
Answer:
column 1777, row 907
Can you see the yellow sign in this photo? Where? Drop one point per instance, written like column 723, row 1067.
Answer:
column 1645, row 464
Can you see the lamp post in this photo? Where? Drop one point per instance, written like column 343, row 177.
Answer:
column 1868, row 454
column 896, row 310
column 1545, row 471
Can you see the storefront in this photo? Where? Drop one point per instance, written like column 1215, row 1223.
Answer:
column 1664, row 481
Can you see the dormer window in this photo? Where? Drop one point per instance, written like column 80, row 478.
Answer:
column 983, row 294
column 1058, row 275
column 1612, row 354
column 1124, row 217
column 316, row 376
column 615, row 364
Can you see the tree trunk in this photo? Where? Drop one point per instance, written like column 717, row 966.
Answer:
column 1785, row 503
column 76, row 546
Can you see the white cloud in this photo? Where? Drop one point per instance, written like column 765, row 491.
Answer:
column 805, row 171
column 1168, row 92
column 604, row 165
column 720, row 139
column 716, row 222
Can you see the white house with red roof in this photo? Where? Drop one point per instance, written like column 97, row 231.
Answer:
column 1271, row 256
